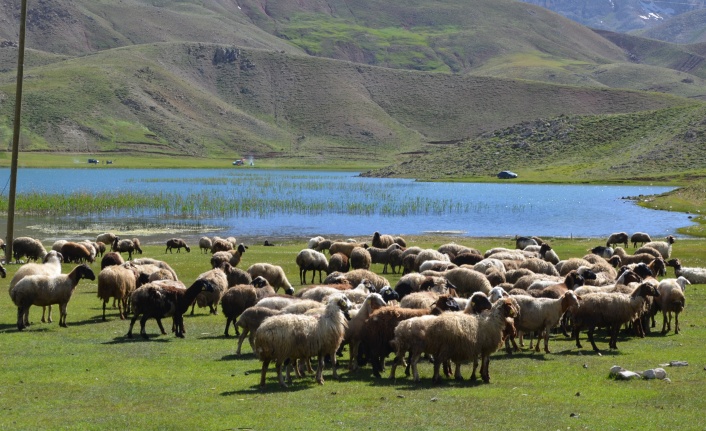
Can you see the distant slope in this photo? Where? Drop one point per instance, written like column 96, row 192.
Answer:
column 685, row 29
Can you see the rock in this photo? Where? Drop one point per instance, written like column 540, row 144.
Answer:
column 678, row 363
column 628, row 375
column 657, row 373
column 615, row 369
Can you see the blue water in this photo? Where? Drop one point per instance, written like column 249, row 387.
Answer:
column 467, row 209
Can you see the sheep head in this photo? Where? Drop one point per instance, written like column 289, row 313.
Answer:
column 508, row 307
column 388, row 294
column 259, row 281
column 644, row 290
column 478, row 303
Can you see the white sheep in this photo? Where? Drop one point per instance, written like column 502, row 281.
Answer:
column 51, row 266
column 695, row 275
column 29, row 247
column 46, row 290
column 429, row 254
column 250, row 320
column 211, row 297
column 310, row 260
column 671, row 299
column 356, row 277
column 299, row 337
column 664, row 247
column 313, row 242
column 205, row 244
column 468, row 281
column 106, row 238
column 274, row 274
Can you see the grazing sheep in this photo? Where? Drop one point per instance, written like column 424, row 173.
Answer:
column 360, row 258
column 523, row 241
column 461, row 337
column 695, row 275
column 163, row 299
column 338, row 263
column 46, row 290
column 220, row 244
column 324, row 245
column 671, row 299
column 158, row 263
column 541, row 314
column 429, row 254
column 609, row 311
column 468, row 281
column 243, row 296
column 382, row 256
column 274, row 275
column 299, row 337
column 58, row 244
column 663, row 247
column 250, row 320
column 100, row 248
column 29, row 247
column 205, row 244
column 210, row 298
column 235, row 275
column 91, row 247
column 627, row 259
column 178, row 244
column 617, row 238
column 138, row 246
column 344, row 247
column 382, row 241
column 124, row 246
column 118, row 282
column 356, row 277
column 640, row 237
column 313, row 242
column 311, row 260
column 51, row 267
column 111, row 258
column 106, row 238
column 76, row 253
column 436, row 265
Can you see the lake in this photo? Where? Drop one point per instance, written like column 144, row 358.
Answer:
column 249, row 202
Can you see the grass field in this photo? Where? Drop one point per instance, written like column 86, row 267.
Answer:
column 90, row 376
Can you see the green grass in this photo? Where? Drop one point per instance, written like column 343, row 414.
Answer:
column 100, row 380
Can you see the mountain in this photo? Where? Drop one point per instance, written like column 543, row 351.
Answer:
column 365, row 82
column 689, row 28
column 620, row 15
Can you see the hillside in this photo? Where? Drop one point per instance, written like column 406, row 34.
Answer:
column 688, row 28
column 364, row 81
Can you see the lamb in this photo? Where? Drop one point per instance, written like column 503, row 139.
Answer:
column 178, row 244
column 111, row 258
column 106, row 238
column 468, row 281
column 51, row 267
column 609, row 310
column 382, row 255
column 356, row 277
column 293, row 337
column 274, row 275
column 360, row 258
column 541, row 314
column 695, row 275
column 76, row 253
column 344, row 247
column 118, row 282
column 338, row 263
column 29, row 247
column 124, row 246
column 241, row 297
column 640, row 237
column 310, row 260
column 671, row 300
column 210, row 298
column 205, row 244
column 235, row 275
column 461, row 337
column 664, row 247
column 617, row 238
column 250, row 320
column 163, row 299
column 46, row 290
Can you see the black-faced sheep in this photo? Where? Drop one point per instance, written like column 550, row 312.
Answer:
column 158, row 300
column 178, row 244
column 274, row 275
column 241, row 297
column 27, row 247
column 609, row 311
column 237, row 254
column 45, row 290
column 382, row 241
column 695, row 275
column 299, row 337
column 311, row 260
column 617, row 238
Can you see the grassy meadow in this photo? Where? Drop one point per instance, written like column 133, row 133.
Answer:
column 98, row 379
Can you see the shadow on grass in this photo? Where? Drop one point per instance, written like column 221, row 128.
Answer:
column 272, row 385
column 138, row 338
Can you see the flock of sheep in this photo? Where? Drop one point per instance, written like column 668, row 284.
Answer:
column 454, row 304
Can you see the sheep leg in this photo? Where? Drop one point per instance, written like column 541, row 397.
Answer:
column 143, row 333
column 179, row 324
column 132, row 323
column 320, row 370
column 353, row 362
column 105, row 303
column 20, row 318
column 313, row 276
column 240, row 341
column 413, row 361
column 590, row 337
column 161, row 328
column 437, row 364
column 265, row 364
column 193, row 306
column 575, row 334
column 62, row 315
column 334, row 362
column 546, row 341
column 214, row 310
column 485, row 364
column 676, row 322
column 666, row 322
column 457, row 373
column 49, row 319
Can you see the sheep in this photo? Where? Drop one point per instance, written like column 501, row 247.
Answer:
column 371, row 303
column 313, row 242
column 111, row 258
column 320, row 292
column 671, row 299
column 695, row 275
column 29, row 247
column 555, row 290
column 344, row 247
column 382, row 241
column 382, row 255
column 310, row 260
column 468, row 281
column 100, row 248
column 76, row 253
column 51, row 266
column 429, row 254
column 356, row 277
column 241, row 297
column 220, row 244
column 539, row 266
column 324, row 245
column 291, row 336
column 219, row 258
column 390, row 296
column 605, row 252
column 626, row 259
column 360, row 258
column 617, row 238
column 124, row 246
column 235, row 276
column 58, row 244
column 158, row 263
column 649, row 250
column 237, row 254
column 523, row 241
column 205, row 244
column 416, row 282
column 663, row 247
column 548, row 254
column 495, row 277
column 91, row 247
column 250, row 320
column 609, row 310
column 338, row 263
column 452, row 250
column 274, row 275
column 219, row 283
column 467, row 258
column 118, row 282
column 163, row 299
column 106, row 238
column 436, row 265
column 462, row 337
column 640, row 237
column 46, row 290
column 420, row 300
column 178, row 244
column 541, row 314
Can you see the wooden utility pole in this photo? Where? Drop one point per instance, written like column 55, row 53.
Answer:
column 16, row 133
